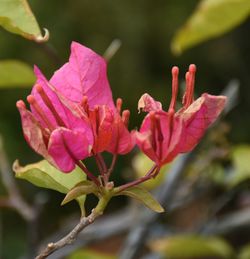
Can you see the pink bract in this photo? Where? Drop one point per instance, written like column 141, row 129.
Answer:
column 73, row 116
column 52, row 130
column 163, row 135
column 84, row 75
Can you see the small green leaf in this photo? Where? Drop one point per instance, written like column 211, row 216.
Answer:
column 191, row 246
column 14, row 73
column 82, row 188
column 17, row 17
column 44, row 175
column 212, row 18
column 143, row 196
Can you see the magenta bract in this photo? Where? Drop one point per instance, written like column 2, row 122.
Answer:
column 73, row 116
column 163, row 135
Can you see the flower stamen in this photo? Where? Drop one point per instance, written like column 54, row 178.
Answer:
column 190, row 79
column 49, row 104
column 175, row 73
column 32, row 101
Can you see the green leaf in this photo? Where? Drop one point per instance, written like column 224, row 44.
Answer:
column 212, row 18
column 143, row 196
column 44, row 175
column 191, row 246
column 17, row 17
column 82, row 188
column 90, row 254
column 241, row 172
column 14, row 73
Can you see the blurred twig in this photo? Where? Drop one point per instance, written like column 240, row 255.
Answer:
column 51, row 52
column 105, row 227
column 112, row 49
column 14, row 199
column 69, row 238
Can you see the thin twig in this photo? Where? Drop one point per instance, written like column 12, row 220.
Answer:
column 111, row 168
column 51, row 52
column 70, row 238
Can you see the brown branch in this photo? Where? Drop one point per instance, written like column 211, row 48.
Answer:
column 71, row 237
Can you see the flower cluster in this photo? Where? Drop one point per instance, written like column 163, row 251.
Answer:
column 73, row 116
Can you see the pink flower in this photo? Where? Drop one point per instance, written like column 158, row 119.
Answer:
column 163, row 135
column 52, row 130
column 73, row 116
column 83, row 81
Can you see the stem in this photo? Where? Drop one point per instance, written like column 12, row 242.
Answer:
column 88, row 173
column 51, row 52
column 102, row 167
column 98, row 162
column 150, row 174
column 111, row 168
column 71, row 237
column 103, row 164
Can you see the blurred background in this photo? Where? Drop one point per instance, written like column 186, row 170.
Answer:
column 216, row 177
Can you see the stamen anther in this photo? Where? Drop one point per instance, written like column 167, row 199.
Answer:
column 125, row 117
column 20, row 104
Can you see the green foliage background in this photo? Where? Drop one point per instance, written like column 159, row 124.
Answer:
column 142, row 64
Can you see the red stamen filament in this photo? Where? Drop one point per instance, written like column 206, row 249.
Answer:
column 175, row 73
column 190, row 79
column 32, row 101
column 184, row 98
column 170, row 122
column 49, row 104
column 119, row 105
